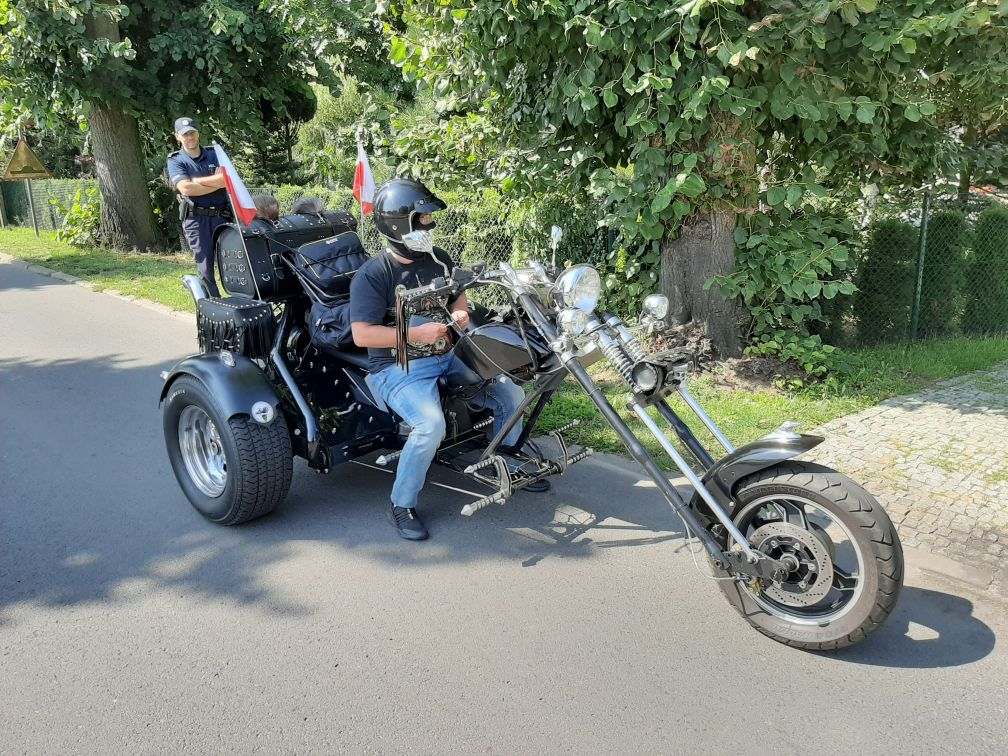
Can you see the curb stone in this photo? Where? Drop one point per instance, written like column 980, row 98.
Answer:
column 976, row 577
column 67, row 278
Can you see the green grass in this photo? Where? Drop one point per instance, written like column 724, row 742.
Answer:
column 877, row 372
column 149, row 276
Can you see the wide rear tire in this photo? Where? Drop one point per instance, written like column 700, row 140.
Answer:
column 232, row 470
column 872, row 534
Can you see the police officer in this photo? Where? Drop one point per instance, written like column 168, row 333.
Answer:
column 203, row 203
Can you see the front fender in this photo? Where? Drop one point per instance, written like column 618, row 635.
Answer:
column 723, row 478
column 235, row 389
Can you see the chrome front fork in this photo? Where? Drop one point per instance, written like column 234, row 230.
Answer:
column 621, row 348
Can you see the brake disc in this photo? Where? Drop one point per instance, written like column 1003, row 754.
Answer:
column 810, row 568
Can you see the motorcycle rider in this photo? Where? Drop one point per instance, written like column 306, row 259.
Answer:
column 403, row 207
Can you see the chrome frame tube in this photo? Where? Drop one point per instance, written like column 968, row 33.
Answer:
column 196, row 287
column 699, row 411
column 695, row 481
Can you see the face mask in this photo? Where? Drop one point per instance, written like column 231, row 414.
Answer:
column 418, row 244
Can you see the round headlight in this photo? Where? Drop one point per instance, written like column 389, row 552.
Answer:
column 656, row 306
column 572, row 321
column 579, row 287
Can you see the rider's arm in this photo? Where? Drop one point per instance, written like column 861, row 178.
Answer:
column 197, row 187
column 460, row 310
column 379, row 336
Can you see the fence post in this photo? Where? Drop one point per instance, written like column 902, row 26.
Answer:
column 921, row 252
column 31, row 205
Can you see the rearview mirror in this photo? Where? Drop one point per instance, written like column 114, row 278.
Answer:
column 556, row 234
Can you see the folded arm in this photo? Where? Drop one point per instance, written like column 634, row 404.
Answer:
column 197, row 187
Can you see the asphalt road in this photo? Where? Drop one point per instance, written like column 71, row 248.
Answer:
column 570, row 621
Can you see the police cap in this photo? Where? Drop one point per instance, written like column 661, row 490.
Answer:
column 184, row 124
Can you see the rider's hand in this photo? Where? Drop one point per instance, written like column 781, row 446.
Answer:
column 428, row 333
column 461, row 318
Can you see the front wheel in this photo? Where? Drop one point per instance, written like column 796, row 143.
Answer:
column 232, row 470
column 844, row 558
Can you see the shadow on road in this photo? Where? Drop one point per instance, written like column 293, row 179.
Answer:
column 91, row 513
column 928, row 629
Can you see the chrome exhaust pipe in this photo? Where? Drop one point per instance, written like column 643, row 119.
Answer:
column 196, row 287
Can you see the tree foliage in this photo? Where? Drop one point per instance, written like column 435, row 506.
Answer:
column 667, row 111
column 115, row 64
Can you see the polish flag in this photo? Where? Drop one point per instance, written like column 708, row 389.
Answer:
column 241, row 201
column 363, row 181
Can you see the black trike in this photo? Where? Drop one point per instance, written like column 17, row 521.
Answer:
column 806, row 555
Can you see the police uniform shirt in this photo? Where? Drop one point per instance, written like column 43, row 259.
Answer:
column 181, row 166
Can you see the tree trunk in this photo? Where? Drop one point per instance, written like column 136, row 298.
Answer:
column 127, row 217
column 705, row 248
column 968, row 164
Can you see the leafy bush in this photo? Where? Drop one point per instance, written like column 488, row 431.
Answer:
column 81, row 216
column 786, row 267
column 987, row 274
column 326, row 145
column 333, row 199
column 885, row 282
column 944, row 262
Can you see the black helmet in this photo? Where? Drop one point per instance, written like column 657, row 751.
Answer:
column 396, row 202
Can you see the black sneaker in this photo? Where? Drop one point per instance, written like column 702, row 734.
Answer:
column 538, row 486
column 407, row 524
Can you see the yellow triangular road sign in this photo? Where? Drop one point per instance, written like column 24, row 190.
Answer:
column 24, row 164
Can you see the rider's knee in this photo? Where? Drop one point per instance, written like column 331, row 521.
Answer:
column 431, row 427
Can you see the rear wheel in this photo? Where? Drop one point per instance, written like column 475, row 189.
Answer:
column 844, row 558
column 232, row 470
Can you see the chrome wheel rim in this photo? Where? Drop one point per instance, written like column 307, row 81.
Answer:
column 202, row 451
column 844, row 556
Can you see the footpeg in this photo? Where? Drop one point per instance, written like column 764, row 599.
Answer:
column 480, row 464
column 387, row 459
column 472, row 508
column 503, row 480
column 566, row 427
column 583, row 454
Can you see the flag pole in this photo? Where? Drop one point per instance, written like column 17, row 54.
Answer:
column 237, row 224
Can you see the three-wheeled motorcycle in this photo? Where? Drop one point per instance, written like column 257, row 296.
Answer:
column 806, row 555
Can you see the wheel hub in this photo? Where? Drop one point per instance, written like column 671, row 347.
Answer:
column 808, row 563
column 202, row 451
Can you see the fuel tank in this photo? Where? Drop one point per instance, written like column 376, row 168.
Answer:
column 497, row 348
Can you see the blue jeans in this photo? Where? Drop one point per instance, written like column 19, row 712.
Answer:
column 414, row 397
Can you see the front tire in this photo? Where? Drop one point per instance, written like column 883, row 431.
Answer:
column 857, row 599
column 232, row 470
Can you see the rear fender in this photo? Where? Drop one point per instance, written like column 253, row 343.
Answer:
column 724, row 477
column 235, row 389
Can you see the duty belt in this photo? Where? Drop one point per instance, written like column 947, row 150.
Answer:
column 213, row 212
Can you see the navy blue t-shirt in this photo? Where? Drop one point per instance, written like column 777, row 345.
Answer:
column 181, row 166
column 372, row 292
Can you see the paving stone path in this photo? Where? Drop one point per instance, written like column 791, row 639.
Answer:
column 938, row 461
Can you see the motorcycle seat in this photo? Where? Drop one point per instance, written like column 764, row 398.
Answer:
column 354, row 355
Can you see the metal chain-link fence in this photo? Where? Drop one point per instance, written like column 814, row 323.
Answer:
column 934, row 270
column 52, row 200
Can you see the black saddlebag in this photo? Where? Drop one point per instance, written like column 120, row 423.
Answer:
column 250, row 261
column 239, row 324
column 329, row 264
column 329, row 326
